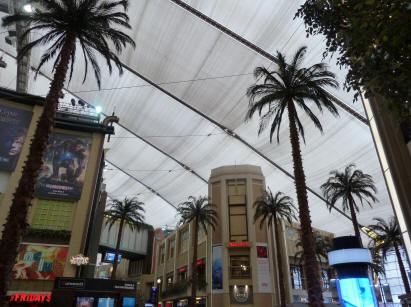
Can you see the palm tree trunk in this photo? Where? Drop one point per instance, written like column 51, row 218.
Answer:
column 310, row 261
column 120, row 232
column 279, row 263
column 402, row 269
column 194, row 273
column 354, row 220
column 16, row 220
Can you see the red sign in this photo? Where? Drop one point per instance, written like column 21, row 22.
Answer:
column 242, row 244
column 183, row 269
column 30, row 298
column 199, row 262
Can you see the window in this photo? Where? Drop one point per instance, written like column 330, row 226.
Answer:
column 182, row 273
column 184, row 241
column 161, row 253
column 201, row 269
column 171, row 247
column 237, row 210
column 240, row 266
column 326, row 279
column 169, row 279
column 296, row 277
column 201, row 235
column 51, row 214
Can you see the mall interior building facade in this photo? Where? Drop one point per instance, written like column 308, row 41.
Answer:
column 236, row 262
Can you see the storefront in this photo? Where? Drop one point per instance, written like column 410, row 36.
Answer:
column 84, row 292
column 29, row 299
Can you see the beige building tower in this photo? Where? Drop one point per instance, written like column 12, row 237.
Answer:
column 241, row 254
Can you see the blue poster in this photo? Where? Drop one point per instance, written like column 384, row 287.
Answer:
column 13, row 130
column 217, row 268
column 129, row 302
column 105, row 302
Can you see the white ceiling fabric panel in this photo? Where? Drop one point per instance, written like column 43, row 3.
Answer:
column 211, row 71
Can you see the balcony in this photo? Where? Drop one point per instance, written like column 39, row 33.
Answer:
column 240, row 272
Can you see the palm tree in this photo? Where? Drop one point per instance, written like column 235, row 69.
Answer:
column 287, row 87
column 128, row 212
column 347, row 185
column 91, row 25
column 322, row 247
column 203, row 214
column 272, row 209
column 389, row 238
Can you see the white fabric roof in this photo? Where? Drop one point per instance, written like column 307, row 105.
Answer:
column 194, row 62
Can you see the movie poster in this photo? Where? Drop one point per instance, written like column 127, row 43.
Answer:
column 263, row 268
column 40, row 262
column 217, row 273
column 64, row 167
column 13, row 130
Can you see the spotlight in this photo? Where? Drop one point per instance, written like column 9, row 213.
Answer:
column 28, row 8
column 99, row 109
column 73, row 102
column 81, row 102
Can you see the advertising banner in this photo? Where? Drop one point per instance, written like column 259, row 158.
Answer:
column 217, row 269
column 263, row 268
column 64, row 167
column 40, row 262
column 13, row 130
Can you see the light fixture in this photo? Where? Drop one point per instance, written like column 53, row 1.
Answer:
column 28, row 8
column 99, row 109
column 159, row 281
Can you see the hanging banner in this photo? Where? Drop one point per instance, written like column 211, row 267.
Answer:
column 217, row 265
column 64, row 167
column 40, row 262
column 263, row 268
column 13, row 130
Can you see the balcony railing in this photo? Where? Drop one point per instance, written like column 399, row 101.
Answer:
column 241, row 271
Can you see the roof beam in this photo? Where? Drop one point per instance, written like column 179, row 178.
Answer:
column 257, row 49
column 142, row 183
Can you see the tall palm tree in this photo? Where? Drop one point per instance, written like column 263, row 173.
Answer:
column 91, row 25
column 390, row 238
column 202, row 214
column 271, row 209
column 346, row 186
column 129, row 212
column 287, row 87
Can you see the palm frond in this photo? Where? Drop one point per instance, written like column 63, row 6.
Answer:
column 290, row 83
column 94, row 24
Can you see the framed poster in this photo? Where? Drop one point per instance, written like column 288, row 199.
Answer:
column 263, row 268
column 64, row 167
column 13, row 130
column 40, row 262
column 217, row 267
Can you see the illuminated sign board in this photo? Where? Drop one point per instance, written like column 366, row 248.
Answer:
column 241, row 244
column 183, row 269
column 30, row 298
column 200, row 262
column 79, row 260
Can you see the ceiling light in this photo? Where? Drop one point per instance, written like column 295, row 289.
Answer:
column 99, row 109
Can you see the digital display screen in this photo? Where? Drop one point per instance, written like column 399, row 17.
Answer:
column 129, row 301
column 109, row 257
column 85, row 301
column 356, row 292
column 106, row 302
